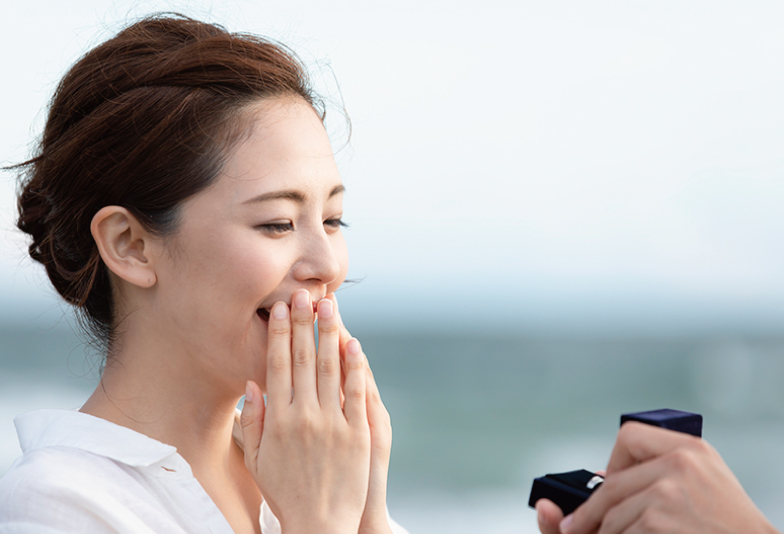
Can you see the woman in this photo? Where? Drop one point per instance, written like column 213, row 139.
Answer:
column 660, row 481
column 185, row 199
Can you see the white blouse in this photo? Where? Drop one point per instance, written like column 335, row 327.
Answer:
column 80, row 473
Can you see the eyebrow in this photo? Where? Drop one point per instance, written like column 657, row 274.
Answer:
column 295, row 196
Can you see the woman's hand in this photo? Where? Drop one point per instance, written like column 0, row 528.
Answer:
column 309, row 451
column 374, row 517
column 659, row 481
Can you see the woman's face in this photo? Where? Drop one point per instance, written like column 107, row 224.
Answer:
column 268, row 226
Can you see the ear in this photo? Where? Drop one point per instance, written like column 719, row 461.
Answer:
column 125, row 246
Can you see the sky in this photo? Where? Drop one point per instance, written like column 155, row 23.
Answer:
column 566, row 165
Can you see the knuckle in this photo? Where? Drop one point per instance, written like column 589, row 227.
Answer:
column 279, row 330
column 681, row 460
column 327, row 366
column 245, row 421
column 649, row 521
column 665, row 491
column 610, row 487
column 302, row 319
column 628, row 431
column 301, row 357
column 330, row 329
column 354, row 365
column 702, row 447
column 355, row 392
column 307, row 424
column 381, row 415
column 378, row 406
column 386, row 420
column 277, row 362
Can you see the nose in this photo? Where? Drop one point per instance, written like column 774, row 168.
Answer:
column 319, row 259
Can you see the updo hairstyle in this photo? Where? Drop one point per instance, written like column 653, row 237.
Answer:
column 143, row 121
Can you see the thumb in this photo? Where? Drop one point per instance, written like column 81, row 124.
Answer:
column 252, row 423
column 549, row 516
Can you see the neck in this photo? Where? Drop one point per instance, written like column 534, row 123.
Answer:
column 153, row 390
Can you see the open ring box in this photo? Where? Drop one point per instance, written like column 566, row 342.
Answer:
column 570, row 489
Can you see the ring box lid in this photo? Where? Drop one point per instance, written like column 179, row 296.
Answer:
column 686, row 422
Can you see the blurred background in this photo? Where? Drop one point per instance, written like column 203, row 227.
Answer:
column 560, row 212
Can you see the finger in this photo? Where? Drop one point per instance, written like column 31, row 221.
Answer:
column 328, row 360
column 377, row 412
column 303, row 347
column 344, row 337
column 638, row 442
column 627, row 512
column 615, row 491
column 378, row 418
column 548, row 516
column 344, row 333
column 355, row 405
column 252, row 423
column 279, row 356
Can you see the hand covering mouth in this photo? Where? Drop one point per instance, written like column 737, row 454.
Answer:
column 264, row 313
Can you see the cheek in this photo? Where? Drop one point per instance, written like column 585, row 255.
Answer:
column 225, row 279
column 254, row 275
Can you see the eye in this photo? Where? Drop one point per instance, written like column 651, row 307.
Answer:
column 335, row 223
column 276, row 227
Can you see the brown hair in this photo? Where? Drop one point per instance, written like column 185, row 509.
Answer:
column 142, row 121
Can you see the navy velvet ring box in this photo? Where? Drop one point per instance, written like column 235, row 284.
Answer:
column 569, row 490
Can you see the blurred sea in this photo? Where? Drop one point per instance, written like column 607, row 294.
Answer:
column 477, row 418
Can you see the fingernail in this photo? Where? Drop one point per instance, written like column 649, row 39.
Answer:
column 566, row 523
column 325, row 309
column 248, row 392
column 353, row 346
column 280, row 310
column 301, row 299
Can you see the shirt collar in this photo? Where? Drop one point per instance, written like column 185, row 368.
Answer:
column 66, row 428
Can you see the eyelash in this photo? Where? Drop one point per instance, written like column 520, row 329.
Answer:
column 281, row 228
column 336, row 223
column 277, row 228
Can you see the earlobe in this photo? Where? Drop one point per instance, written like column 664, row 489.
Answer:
column 125, row 245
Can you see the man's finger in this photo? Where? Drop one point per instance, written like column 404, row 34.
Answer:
column 638, row 442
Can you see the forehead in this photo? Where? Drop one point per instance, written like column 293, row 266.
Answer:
column 286, row 148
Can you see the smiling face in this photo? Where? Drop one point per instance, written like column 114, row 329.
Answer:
column 267, row 227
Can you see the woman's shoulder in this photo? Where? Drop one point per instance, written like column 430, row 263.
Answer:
column 54, row 466
column 71, row 477
column 46, row 488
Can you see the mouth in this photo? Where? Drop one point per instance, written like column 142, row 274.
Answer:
column 264, row 313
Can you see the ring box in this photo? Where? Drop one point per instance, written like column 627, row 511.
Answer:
column 686, row 422
column 570, row 489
